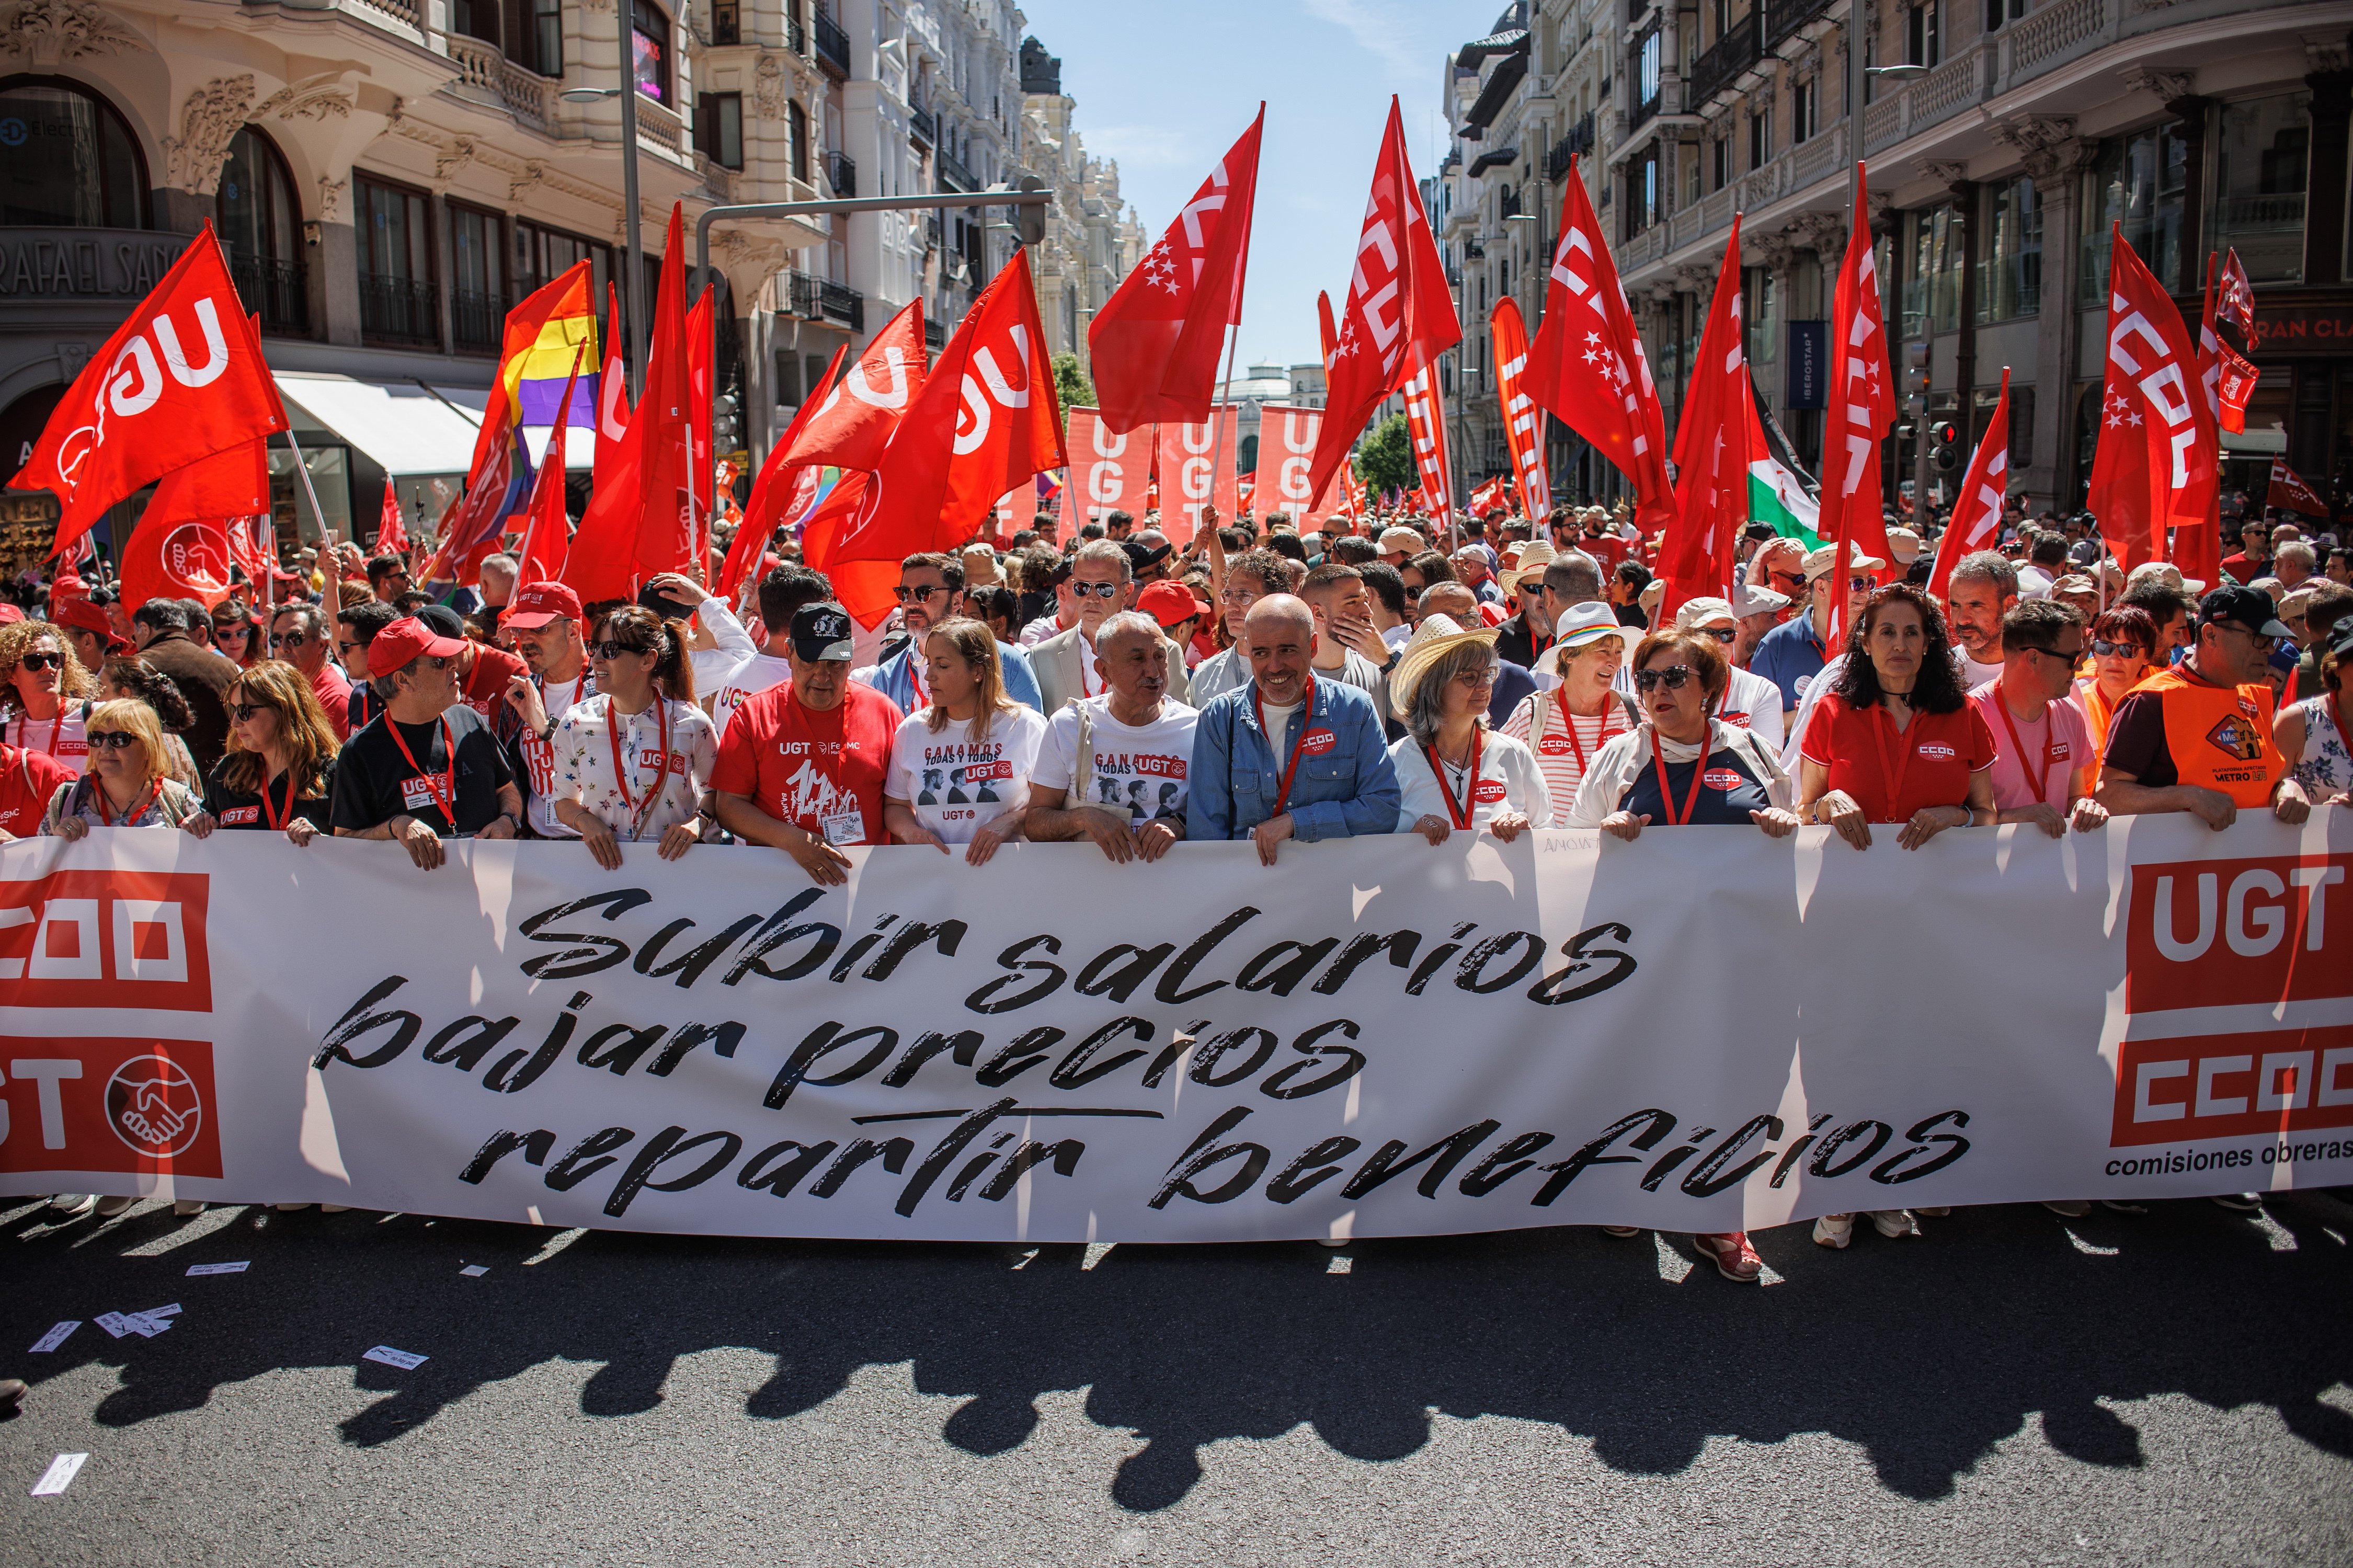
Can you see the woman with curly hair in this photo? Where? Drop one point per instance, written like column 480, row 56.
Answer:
column 278, row 774
column 127, row 675
column 46, row 694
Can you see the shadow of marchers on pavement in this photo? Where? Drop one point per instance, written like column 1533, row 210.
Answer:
column 1926, row 1354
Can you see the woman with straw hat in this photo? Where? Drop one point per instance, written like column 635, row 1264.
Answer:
column 1452, row 770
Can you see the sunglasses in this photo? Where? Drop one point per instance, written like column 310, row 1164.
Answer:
column 1673, row 677
column 2064, row 656
column 1099, row 590
column 246, row 711
column 2103, row 648
column 112, row 739
column 609, row 649
column 1727, row 635
column 905, row 593
column 41, row 661
column 288, row 640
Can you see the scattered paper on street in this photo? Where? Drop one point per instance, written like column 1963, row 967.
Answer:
column 56, row 1336
column 59, row 1475
column 403, row 1360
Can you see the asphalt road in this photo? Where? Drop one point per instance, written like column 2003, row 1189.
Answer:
column 2010, row 1388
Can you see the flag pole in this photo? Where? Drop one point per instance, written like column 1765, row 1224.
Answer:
column 1233, row 344
column 318, row 515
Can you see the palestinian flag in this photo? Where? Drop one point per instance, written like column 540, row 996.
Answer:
column 1780, row 492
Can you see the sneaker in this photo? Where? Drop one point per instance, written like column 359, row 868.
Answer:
column 1324, row 1241
column 1735, row 1258
column 346, row 1208
column 2239, row 1203
column 2071, row 1208
column 184, row 1206
column 11, row 1393
column 1621, row 1229
column 290, row 1208
column 73, row 1203
column 1834, row 1230
column 1893, row 1223
column 108, row 1208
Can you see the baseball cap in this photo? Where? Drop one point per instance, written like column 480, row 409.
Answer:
column 409, row 639
column 1824, row 560
column 85, row 616
column 1748, row 599
column 1699, row 612
column 537, row 604
column 1904, row 544
column 444, row 620
column 1167, row 604
column 820, row 633
column 2342, row 642
column 1143, row 557
column 2249, row 609
column 10, row 614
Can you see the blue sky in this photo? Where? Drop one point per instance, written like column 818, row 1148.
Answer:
column 1166, row 88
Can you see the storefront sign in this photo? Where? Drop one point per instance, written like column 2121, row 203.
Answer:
column 52, row 264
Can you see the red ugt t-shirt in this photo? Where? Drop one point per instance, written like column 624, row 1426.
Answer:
column 803, row 767
column 28, row 780
column 1944, row 749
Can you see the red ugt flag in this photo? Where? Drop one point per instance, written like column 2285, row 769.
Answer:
column 1425, row 425
column 1155, row 343
column 1977, row 515
column 1586, row 364
column 1711, row 453
column 851, row 428
column 1399, row 314
column 182, row 379
column 2157, row 461
column 1862, row 406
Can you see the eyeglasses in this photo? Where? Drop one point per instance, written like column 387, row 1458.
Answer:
column 1794, row 579
column 112, row 739
column 1237, row 598
column 1673, row 677
column 1860, row 585
column 346, row 648
column 904, row 593
column 288, row 640
column 41, row 661
column 1474, row 679
column 246, row 711
column 609, row 649
column 2064, row 656
column 2102, row 648
column 1098, row 590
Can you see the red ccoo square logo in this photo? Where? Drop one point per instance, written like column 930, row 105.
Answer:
column 106, row 939
column 2233, row 1086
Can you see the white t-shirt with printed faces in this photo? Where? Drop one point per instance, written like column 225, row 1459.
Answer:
column 746, row 681
column 957, row 783
column 1142, row 767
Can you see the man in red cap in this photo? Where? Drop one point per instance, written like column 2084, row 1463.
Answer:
column 428, row 767
column 546, row 620
column 88, row 631
column 1174, row 606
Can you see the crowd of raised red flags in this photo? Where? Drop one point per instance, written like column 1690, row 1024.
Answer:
column 911, row 633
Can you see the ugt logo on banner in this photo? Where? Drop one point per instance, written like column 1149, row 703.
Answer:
column 108, row 1104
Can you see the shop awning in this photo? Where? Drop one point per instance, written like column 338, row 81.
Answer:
column 407, row 429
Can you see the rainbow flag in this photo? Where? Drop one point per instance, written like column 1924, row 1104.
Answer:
column 542, row 335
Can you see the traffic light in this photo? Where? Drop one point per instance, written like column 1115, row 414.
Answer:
column 1945, row 437
column 1029, row 222
column 724, row 437
column 1915, row 378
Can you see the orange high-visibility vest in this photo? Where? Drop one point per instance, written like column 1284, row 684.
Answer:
column 2219, row 736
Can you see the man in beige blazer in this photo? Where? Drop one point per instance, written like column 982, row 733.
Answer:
column 1102, row 579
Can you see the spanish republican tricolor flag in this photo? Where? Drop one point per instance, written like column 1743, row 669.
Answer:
column 545, row 334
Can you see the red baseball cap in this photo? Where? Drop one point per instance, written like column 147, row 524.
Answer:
column 10, row 614
column 537, row 604
column 406, row 640
column 85, row 616
column 1168, row 603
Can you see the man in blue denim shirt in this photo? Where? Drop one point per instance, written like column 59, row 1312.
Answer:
column 1327, row 736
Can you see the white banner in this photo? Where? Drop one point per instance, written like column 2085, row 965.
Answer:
column 1704, row 1030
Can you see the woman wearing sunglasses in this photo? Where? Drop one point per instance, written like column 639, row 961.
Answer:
column 278, row 774
column 130, row 782
column 2122, row 643
column 236, row 634
column 634, row 761
column 45, row 692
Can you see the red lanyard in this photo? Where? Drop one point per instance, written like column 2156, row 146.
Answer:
column 839, row 714
column 1666, row 793
column 1568, row 722
column 444, row 788
column 131, row 813
column 1306, row 722
column 2017, row 747
column 1458, row 815
column 638, row 808
column 916, row 679
column 277, row 820
column 1890, row 772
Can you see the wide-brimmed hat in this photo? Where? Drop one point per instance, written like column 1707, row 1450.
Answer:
column 1578, row 628
column 2164, row 572
column 1437, row 636
column 1535, row 556
column 1826, row 559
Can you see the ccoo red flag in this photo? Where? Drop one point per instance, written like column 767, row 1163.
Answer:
column 1399, row 314
column 2156, row 460
column 2290, row 493
column 986, row 420
column 852, row 427
column 1523, row 422
column 1587, row 367
column 1712, row 455
column 1154, row 345
column 640, row 521
column 1862, row 406
column 1976, row 514
column 143, row 407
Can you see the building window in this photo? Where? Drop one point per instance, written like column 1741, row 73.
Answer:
column 1760, row 137
column 399, row 303
column 1646, row 91
column 542, row 254
column 1932, row 278
column 649, row 41
column 2261, row 157
column 478, row 302
column 72, row 163
column 1720, row 151
column 1921, row 44
column 2001, row 11
column 2136, row 181
column 539, row 35
column 2010, row 278
column 797, row 127
column 475, row 19
column 719, row 128
column 257, row 217
column 1804, row 108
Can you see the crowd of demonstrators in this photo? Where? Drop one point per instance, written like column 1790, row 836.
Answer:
column 428, row 767
column 634, row 759
column 279, row 775
column 931, row 592
column 2042, row 769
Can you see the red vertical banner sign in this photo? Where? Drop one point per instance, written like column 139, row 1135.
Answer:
column 1111, row 469
column 1522, row 420
column 1286, row 458
column 1425, row 423
column 1191, row 477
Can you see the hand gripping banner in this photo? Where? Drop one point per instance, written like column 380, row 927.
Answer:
column 1704, row 1030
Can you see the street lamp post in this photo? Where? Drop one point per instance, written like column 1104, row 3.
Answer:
column 633, row 283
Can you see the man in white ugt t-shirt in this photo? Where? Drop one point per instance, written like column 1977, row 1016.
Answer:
column 1113, row 767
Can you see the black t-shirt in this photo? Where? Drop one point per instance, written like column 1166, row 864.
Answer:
column 375, row 783
column 243, row 809
column 1729, row 792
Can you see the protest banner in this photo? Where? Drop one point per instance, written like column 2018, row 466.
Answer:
column 1704, row 1030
